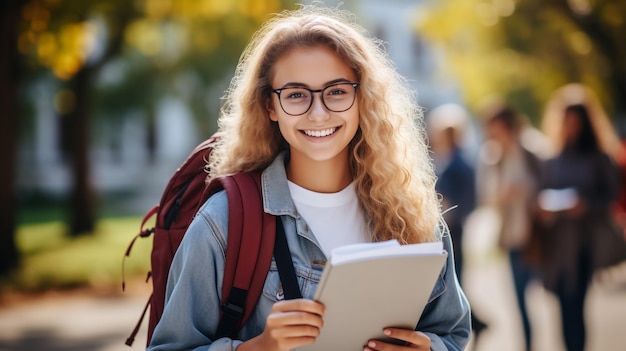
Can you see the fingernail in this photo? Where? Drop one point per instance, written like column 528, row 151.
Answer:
column 371, row 344
column 387, row 332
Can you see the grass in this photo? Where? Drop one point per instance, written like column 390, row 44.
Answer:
column 51, row 260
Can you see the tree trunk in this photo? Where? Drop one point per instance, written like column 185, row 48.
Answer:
column 607, row 41
column 82, row 199
column 617, row 82
column 9, row 67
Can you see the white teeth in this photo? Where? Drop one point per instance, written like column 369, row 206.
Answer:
column 320, row 133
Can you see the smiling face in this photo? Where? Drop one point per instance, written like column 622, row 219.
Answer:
column 318, row 135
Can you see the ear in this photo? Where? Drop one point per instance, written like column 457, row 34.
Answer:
column 269, row 105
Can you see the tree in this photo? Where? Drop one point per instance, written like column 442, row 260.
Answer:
column 76, row 39
column 61, row 36
column 523, row 50
column 78, row 119
column 9, row 81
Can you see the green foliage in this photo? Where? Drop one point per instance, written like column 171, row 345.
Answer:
column 155, row 42
column 52, row 260
column 523, row 50
column 115, row 58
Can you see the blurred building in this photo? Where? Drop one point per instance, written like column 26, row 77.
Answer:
column 394, row 22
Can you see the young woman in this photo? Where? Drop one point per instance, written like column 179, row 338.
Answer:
column 578, row 239
column 318, row 107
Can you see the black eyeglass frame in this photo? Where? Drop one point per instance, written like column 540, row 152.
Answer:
column 355, row 85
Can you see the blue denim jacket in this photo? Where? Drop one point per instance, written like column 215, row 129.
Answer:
column 193, row 295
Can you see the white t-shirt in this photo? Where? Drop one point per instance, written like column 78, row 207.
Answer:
column 336, row 219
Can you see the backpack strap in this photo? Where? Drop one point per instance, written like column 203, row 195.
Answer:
column 249, row 253
column 251, row 236
column 284, row 263
column 131, row 338
column 142, row 234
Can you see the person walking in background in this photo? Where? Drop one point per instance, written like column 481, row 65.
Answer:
column 507, row 176
column 455, row 176
column 456, row 179
column 579, row 186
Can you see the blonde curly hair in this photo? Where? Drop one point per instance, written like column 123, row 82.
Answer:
column 389, row 158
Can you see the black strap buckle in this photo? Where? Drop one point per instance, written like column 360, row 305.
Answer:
column 231, row 315
column 232, row 310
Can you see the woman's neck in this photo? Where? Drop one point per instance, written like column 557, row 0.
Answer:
column 328, row 176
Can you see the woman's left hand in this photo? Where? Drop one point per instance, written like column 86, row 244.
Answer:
column 414, row 340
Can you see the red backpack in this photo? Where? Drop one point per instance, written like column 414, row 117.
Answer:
column 250, row 241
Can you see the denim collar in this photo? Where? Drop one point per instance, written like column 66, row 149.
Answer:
column 276, row 197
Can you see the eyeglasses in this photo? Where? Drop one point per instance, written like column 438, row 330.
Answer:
column 296, row 101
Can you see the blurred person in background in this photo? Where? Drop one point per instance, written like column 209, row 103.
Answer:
column 447, row 127
column 580, row 185
column 507, row 180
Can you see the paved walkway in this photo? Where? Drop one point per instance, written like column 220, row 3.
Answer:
column 85, row 322
column 71, row 323
column 489, row 287
column 490, row 290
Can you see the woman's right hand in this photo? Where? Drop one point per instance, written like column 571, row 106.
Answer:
column 290, row 324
